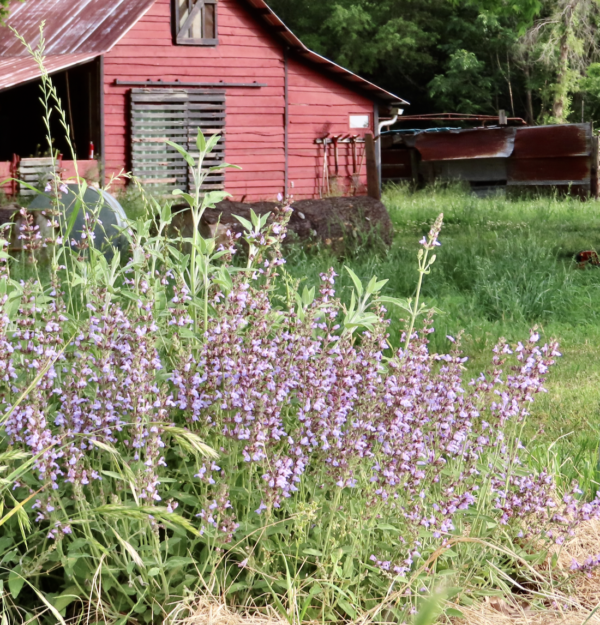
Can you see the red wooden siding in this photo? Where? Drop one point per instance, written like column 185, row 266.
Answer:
column 84, row 168
column 5, row 175
column 247, row 52
column 318, row 106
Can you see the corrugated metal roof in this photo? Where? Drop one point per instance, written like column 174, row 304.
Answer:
column 75, row 31
column 92, row 27
column 72, row 26
column 17, row 70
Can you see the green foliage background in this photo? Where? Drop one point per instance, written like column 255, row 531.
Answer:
column 536, row 59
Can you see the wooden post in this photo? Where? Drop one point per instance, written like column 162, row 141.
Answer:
column 414, row 166
column 373, row 188
column 102, row 120
column 286, row 124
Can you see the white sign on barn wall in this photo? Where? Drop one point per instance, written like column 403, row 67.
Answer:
column 360, row 121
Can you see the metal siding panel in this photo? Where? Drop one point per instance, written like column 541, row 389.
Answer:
column 549, row 171
column 553, row 141
column 473, row 170
column 466, row 144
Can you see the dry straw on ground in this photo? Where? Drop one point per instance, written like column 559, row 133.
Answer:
column 208, row 611
column 575, row 602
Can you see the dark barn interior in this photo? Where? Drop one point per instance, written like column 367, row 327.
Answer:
column 21, row 115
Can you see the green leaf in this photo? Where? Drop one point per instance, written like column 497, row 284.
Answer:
column 352, row 306
column 255, row 219
column 177, row 561
column 5, row 543
column 214, row 197
column 186, row 196
column 379, row 285
column 454, row 613
column 429, row 612
column 262, row 222
column 212, row 142
column 244, row 223
column 453, row 591
column 15, row 581
column 308, row 296
column 186, row 155
column 115, row 476
column 73, row 217
column 348, row 609
column 224, row 166
column 201, row 141
column 236, row 587
column 357, row 283
column 66, row 598
column 348, row 570
column 78, row 543
column 165, row 214
column 374, row 286
column 395, row 301
column 312, row 552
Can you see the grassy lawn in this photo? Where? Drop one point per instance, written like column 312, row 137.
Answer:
column 504, row 266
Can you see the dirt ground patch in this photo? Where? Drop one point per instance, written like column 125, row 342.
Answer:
column 336, row 222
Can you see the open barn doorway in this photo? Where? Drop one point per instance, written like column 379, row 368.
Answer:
column 23, row 131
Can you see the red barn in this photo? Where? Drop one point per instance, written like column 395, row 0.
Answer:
column 131, row 73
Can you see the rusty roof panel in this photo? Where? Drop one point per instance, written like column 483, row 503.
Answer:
column 549, row 171
column 17, row 71
column 553, row 141
column 466, row 144
column 72, row 26
column 95, row 26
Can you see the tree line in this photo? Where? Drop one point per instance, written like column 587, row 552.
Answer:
column 537, row 59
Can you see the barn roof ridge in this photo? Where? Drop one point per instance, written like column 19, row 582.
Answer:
column 70, row 43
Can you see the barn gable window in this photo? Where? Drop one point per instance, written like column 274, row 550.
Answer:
column 196, row 22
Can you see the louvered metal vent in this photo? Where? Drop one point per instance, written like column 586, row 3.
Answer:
column 174, row 114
